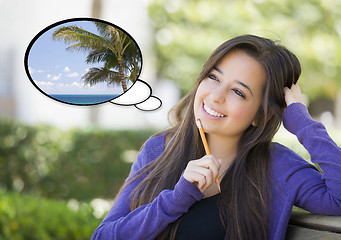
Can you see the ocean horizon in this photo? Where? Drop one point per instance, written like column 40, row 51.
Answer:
column 84, row 99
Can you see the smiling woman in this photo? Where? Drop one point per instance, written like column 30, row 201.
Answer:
column 246, row 89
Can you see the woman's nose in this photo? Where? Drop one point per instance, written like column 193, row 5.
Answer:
column 218, row 95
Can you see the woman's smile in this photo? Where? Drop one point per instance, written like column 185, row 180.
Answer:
column 211, row 112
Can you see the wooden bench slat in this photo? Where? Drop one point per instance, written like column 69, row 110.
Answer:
column 320, row 222
column 301, row 233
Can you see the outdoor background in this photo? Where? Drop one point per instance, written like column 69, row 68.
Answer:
column 62, row 165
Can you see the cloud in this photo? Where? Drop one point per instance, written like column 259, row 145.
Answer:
column 76, row 84
column 54, row 77
column 42, row 83
column 66, row 69
column 32, row 70
column 74, row 74
column 45, row 86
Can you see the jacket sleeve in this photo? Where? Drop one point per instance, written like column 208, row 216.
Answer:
column 314, row 191
column 147, row 221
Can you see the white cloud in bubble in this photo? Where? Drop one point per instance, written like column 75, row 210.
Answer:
column 66, row 69
column 54, row 77
column 33, row 70
column 72, row 75
column 42, row 83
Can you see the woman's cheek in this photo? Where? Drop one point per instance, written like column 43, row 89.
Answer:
column 242, row 113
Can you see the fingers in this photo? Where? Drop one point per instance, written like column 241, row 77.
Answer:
column 293, row 95
column 201, row 179
column 202, row 172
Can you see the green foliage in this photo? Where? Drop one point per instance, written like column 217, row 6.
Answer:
column 80, row 164
column 30, row 218
column 188, row 31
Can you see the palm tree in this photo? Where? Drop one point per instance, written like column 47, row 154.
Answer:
column 121, row 56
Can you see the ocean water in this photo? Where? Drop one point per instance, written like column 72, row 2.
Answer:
column 84, row 99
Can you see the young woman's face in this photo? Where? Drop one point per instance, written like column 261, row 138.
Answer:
column 228, row 99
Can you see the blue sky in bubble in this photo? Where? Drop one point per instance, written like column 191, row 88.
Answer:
column 58, row 71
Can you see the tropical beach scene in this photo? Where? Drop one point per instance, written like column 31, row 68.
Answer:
column 84, row 62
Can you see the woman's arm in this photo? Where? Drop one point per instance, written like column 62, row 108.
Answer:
column 314, row 191
column 147, row 221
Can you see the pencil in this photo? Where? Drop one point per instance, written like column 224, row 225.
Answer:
column 207, row 150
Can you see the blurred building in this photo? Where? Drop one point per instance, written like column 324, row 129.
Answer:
column 21, row 20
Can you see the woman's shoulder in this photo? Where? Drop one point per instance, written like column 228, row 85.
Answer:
column 154, row 146
column 286, row 160
column 279, row 151
column 150, row 150
column 278, row 148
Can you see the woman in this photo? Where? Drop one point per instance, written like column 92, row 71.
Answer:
column 240, row 96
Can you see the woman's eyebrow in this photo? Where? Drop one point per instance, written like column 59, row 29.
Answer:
column 218, row 70
column 237, row 81
column 244, row 85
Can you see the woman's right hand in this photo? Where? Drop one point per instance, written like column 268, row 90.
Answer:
column 202, row 172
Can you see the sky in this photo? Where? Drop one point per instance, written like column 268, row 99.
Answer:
column 58, row 71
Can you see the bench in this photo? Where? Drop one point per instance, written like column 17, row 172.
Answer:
column 304, row 225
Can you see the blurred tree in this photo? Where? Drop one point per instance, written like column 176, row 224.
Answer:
column 188, row 31
column 113, row 47
column 81, row 164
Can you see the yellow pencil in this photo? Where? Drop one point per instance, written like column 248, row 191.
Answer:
column 207, row 150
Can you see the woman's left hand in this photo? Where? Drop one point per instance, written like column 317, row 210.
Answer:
column 293, row 95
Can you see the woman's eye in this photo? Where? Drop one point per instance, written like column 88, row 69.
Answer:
column 213, row 77
column 239, row 93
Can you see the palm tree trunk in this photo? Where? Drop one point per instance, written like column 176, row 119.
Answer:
column 123, row 82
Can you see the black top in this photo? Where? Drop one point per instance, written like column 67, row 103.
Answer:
column 202, row 221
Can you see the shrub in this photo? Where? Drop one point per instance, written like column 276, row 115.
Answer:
column 80, row 164
column 24, row 217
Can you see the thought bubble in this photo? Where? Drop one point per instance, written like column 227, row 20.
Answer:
column 150, row 104
column 139, row 95
column 86, row 61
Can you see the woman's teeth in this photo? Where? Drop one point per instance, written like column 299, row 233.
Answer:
column 212, row 112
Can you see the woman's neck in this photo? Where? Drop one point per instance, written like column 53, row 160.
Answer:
column 223, row 148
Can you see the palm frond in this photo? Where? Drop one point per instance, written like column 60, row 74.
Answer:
column 97, row 75
column 84, row 40
column 102, row 29
column 100, row 55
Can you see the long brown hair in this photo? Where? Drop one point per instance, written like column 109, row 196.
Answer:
column 246, row 190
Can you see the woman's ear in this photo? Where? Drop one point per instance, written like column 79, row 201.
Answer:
column 270, row 115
